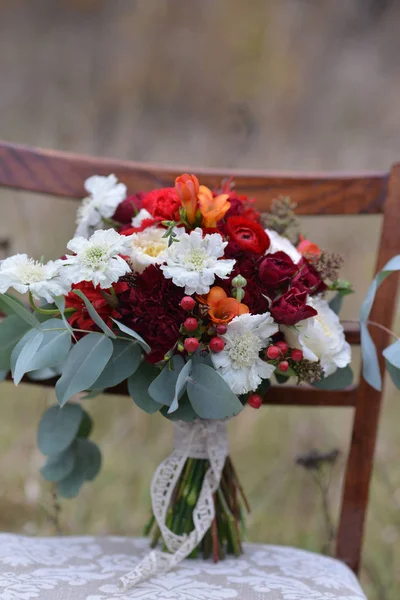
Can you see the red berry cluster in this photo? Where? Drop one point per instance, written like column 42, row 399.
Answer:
column 191, row 324
column 279, row 351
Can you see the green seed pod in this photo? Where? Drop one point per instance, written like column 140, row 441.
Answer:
column 239, row 281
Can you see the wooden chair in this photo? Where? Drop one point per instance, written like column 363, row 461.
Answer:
column 63, row 174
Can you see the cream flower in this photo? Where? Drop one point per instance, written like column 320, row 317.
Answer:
column 148, row 247
column 282, row 244
column 105, row 194
column 27, row 275
column 320, row 337
column 194, row 261
column 97, row 259
column 239, row 363
column 142, row 215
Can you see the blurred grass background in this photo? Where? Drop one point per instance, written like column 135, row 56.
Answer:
column 291, row 84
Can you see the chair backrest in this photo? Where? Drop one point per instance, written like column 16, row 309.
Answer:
column 63, row 174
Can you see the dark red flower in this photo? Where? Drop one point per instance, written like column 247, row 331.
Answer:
column 276, row 270
column 162, row 204
column 144, row 225
column 152, row 308
column 241, row 206
column 307, row 279
column 291, row 307
column 248, row 235
column 81, row 318
column 128, row 208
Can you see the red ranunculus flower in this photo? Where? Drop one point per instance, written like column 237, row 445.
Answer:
column 128, row 208
column 152, row 309
column 291, row 307
column 162, row 204
column 307, row 279
column 276, row 270
column 144, row 225
column 81, row 318
column 249, row 235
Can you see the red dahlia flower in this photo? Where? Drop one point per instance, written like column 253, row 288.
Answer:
column 81, row 318
column 249, row 235
column 162, row 204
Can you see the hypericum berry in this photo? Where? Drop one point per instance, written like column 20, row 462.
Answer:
column 273, row 352
column 283, row 366
column 190, row 324
column 283, row 347
column 254, row 400
column 297, row 355
column 187, row 303
column 221, row 329
column 217, row 344
column 191, row 344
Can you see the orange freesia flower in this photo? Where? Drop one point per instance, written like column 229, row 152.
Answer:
column 308, row 247
column 212, row 209
column 223, row 309
column 187, row 188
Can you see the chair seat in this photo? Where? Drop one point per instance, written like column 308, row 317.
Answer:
column 88, row 568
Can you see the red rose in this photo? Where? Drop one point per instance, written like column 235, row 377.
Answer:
column 249, row 235
column 162, row 204
column 307, row 279
column 276, row 270
column 128, row 208
column 152, row 308
column 80, row 318
column 291, row 307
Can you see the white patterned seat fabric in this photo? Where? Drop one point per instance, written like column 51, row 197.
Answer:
column 88, row 568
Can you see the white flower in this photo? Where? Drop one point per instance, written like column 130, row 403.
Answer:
column 239, row 363
column 320, row 337
column 97, row 259
column 193, row 261
column 142, row 215
column 148, row 247
column 105, row 194
column 27, row 275
column 282, row 244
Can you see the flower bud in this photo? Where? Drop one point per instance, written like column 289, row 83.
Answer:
column 238, row 293
column 239, row 281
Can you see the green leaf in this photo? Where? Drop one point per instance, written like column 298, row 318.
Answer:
column 184, row 412
column 59, row 466
column 58, row 428
column 43, row 374
column 392, row 356
column 181, row 384
column 162, row 389
column 3, row 375
column 11, row 331
column 6, row 308
column 83, row 366
column 138, row 387
column 86, row 426
column 133, row 334
column 123, row 363
column 336, row 303
column 24, row 352
column 19, row 309
column 210, row 396
column 87, row 466
column 95, row 315
column 54, row 347
column 339, row 380
column 59, row 301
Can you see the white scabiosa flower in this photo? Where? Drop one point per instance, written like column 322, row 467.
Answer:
column 321, row 338
column 142, row 215
column 97, row 259
column 27, row 275
column 148, row 247
column 239, row 363
column 194, row 261
column 282, row 244
column 105, row 194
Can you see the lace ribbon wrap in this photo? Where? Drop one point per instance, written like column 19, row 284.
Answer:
column 202, row 439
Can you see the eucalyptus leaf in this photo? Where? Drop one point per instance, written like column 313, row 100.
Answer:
column 19, row 309
column 181, row 384
column 184, row 412
column 58, row 428
column 210, row 395
column 59, row 301
column 12, row 329
column 133, row 334
column 24, row 352
column 123, row 363
column 83, row 366
column 162, row 389
column 87, row 466
column 392, row 357
column 95, row 315
column 86, row 426
column 5, row 306
column 339, row 380
column 3, row 375
column 336, row 303
column 43, row 374
column 138, row 387
column 54, row 347
column 59, row 466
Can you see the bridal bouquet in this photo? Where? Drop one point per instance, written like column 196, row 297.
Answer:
column 183, row 295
